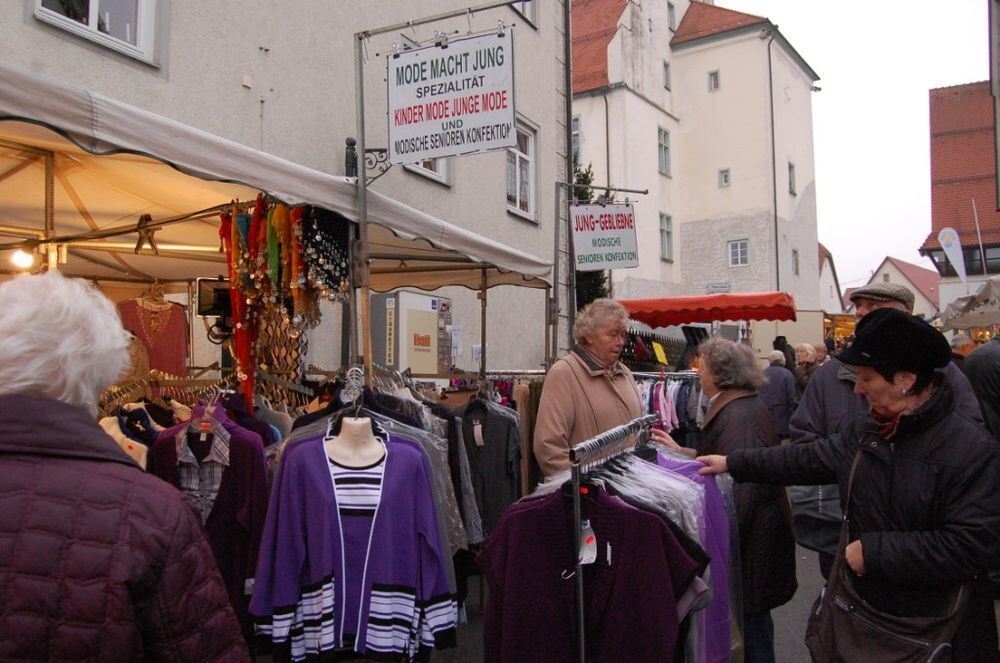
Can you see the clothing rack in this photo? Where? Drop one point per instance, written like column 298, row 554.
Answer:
column 284, row 384
column 591, row 453
column 678, row 375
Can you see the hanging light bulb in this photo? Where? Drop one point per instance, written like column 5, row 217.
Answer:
column 22, row 259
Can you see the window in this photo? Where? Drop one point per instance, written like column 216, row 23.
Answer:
column 739, row 252
column 795, row 262
column 666, row 238
column 663, row 146
column 671, row 17
column 525, row 8
column 576, row 138
column 713, row 81
column 126, row 26
column 666, row 75
column 885, row 278
column 521, row 174
column 791, row 178
column 438, row 170
column 723, row 178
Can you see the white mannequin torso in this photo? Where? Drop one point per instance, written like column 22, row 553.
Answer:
column 355, row 445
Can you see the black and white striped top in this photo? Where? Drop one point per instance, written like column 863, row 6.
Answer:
column 358, row 489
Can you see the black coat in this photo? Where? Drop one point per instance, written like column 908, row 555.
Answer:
column 925, row 506
column 779, row 395
column 739, row 420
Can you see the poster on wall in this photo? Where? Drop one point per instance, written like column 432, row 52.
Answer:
column 422, row 341
column 604, row 237
column 453, row 98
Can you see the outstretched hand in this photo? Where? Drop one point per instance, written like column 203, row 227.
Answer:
column 664, row 438
column 714, row 464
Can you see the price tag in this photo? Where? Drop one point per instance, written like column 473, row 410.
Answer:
column 477, row 433
column 588, row 543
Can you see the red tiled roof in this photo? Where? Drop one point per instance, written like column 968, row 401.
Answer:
column 923, row 279
column 702, row 20
column 595, row 23
column 963, row 164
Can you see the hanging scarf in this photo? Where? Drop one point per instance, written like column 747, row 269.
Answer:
column 886, row 424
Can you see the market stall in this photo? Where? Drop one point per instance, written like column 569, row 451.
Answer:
column 978, row 313
column 667, row 311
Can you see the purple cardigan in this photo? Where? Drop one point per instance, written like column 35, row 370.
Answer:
column 630, row 597
column 300, row 598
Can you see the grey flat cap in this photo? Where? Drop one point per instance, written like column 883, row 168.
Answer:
column 885, row 292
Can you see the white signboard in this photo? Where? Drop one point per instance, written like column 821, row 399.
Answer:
column 451, row 99
column 604, row 237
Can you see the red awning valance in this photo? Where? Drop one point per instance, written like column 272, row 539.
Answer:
column 666, row 311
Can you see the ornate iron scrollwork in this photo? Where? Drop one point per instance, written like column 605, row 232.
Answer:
column 376, row 163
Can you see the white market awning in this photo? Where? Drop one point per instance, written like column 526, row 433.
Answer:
column 112, row 162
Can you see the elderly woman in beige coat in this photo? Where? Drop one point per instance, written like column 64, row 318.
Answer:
column 589, row 391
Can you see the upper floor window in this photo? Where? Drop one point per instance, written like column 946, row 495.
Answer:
column 126, row 26
column 795, row 262
column 576, row 138
column 671, row 17
column 713, row 81
column 434, row 169
column 666, row 75
column 663, row 147
column 525, row 8
column 791, row 178
column 521, row 174
column 666, row 238
column 739, row 252
column 723, row 178
column 885, row 278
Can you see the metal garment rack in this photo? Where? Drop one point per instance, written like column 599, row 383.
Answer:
column 666, row 374
column 590, row 453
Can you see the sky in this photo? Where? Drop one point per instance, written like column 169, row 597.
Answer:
column 877, row 61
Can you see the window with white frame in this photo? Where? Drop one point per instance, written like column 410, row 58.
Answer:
column 521, row 173
column 663, row 150
column 666, row 238
column 525, row 8
column 713, row 81
column 795, row 262
column 126, row 26
column 671, row 17
column 739, row 252
column 666, row 75
column 724, row 178
column 885, row 278
column 791, row 178
column 576, row 138
column 438, row 170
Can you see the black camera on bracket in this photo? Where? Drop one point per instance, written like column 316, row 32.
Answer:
column 212, row 296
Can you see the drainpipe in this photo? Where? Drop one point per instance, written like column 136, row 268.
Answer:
column 607, row 171
column 770, row 34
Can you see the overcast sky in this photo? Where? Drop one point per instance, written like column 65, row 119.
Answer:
column 876, row 62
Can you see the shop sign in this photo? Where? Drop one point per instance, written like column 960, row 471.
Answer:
column 604, row 237
column 451, row 99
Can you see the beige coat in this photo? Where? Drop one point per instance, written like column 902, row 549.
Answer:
column 580, row 400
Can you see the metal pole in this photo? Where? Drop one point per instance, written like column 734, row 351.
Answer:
column 571, row 260
column 52, row 250
column 556, row 257
column 581, row 639
column 363, row 292
column 482, row 328
column 979, row 234
column 431, row 19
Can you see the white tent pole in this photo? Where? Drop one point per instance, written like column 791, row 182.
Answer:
column 364, row 294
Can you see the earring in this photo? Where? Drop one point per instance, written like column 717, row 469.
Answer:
column 906, row 392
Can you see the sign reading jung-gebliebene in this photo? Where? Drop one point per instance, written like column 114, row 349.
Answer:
column 450, row 99
column 604, row 237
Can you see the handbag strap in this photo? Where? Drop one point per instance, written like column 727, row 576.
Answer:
column 845, row 523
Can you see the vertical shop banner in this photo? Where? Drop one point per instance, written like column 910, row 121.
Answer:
column 952, row 246
column 457, row 98
column 604, row 237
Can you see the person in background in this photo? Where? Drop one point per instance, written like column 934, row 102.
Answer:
column 924, row 505
column 961, row 346
column 821, row 353
column 805, row 358
column 589, row 391
column 98, row 560
column 778, row 393
column 780, row 343
column 738, row 419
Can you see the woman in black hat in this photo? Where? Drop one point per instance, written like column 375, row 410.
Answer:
column 924, row 510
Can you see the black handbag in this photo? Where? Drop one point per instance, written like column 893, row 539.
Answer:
column 844, row 627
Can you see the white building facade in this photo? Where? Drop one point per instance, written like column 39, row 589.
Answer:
column 279, row 77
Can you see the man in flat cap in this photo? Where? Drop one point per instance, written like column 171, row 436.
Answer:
column 829, row 405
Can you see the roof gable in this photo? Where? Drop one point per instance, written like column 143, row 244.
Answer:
column 704, row 20
column 924, row 280
column 595, row 24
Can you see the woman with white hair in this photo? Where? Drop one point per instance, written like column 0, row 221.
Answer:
column 107, row 562
column 805, row 365
column 589, row 391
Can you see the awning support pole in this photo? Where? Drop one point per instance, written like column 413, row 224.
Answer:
column 52, row 252
column 482, row 329
column 364, row 294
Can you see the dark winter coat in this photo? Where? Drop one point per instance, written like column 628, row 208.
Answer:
column 828, row 406
column 924, row 506
column 779, row 395
column 739, row 420
column 982, row 367
column 98, row 560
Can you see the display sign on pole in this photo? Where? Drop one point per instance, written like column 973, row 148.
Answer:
column 952, row 246
column 450, row 99
column 604, row 237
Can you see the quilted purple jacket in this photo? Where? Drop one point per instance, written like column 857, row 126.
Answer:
column 98, row 560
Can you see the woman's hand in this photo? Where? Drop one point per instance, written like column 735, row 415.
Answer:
column 855, row 557
column 713, row 464
column 663, row 437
